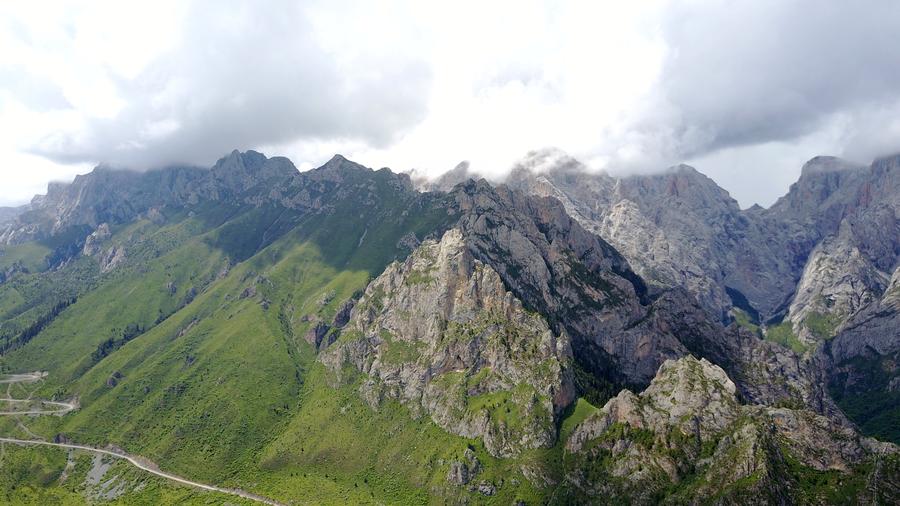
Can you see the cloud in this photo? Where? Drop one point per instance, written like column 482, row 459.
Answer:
column 745, row 72
column 35, row 92
column 242, row 75
column 746, row 90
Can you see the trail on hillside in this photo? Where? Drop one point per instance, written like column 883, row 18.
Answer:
column 63, row 407
column 135, row 460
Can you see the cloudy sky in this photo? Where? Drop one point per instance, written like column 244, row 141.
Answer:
column 746, row 91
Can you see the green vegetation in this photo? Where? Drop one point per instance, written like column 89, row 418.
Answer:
column 822, row 325
column 744, row 320
column 191, row 354
column 576, row 413
column 811, row 486
column 339, row 450
column 419, row 278
column 783, row 334
column 42, row 476
column 861, row 389
column 30, row 256
column 35, row 328
column 398, row 351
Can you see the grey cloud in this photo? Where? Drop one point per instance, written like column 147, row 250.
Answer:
column 747, row 72
column 248, row 74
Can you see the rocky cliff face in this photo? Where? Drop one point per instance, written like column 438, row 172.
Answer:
column 441, row 333
column 876, row 328
column 577, row 280
column 504, row 306
column 679, row 229
column 840, row 278
column 118, row 196
column 819, row 260
column 7, row 214
column 103, row 196
column 621, row 333
column 848, row 217
column 861, row 364
column 688, row 429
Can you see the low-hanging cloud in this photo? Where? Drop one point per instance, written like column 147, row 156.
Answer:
column 746, row 90
column 751, row 72
column 245, row 75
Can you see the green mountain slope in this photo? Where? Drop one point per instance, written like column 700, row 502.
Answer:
column 194, row 328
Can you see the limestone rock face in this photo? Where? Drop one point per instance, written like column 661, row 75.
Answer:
column 441, row 333
column 874, row 329
column 621, row 332
column 580, row 282
column 112, row 258
column 820, row 260
column 678, row 228
column 840, row 279
column 848, row 217
column 689, row 425
column 861, row 361
column 92, row 242
column 693, row 395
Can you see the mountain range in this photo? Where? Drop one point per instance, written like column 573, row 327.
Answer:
column 355, row 335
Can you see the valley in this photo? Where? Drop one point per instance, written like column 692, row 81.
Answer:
column 338, row 336
column 137, row 462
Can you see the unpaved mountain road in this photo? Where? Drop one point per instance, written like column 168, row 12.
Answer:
column 28, row 377
column 64, row 407
column 137, row 462
column 134, row 460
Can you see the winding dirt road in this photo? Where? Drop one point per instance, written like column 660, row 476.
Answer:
column 134, row 460
column 28, row 377
column 64, row 407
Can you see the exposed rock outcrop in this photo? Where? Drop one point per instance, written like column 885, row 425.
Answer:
column 441, row 333
column 678, row 228
column 688, row 428
column 839, row 280
column 93, row 242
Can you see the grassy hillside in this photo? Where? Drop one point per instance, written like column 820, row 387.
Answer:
column 191, row 352
column 42, row 476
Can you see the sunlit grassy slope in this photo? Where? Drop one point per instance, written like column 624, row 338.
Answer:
column 192, row 353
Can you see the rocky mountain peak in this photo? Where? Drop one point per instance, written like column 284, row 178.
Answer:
column 441, row 333
column 338, row 162
column 690, row 394
column 337, row 169
column 549, row 160
column 828, row 188
column 247, row 161
column 239, row 171
column 667, row 224
column 446, row 181
column 690, row 385
column 461, row 173
column 681, row 184
column 826, row 164
column 687, row 425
